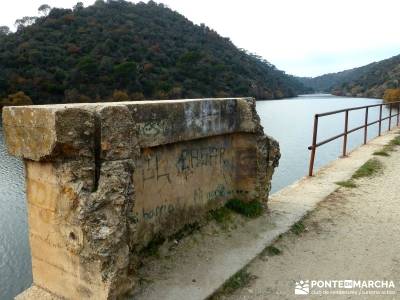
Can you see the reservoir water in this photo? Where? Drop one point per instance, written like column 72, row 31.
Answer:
column 288, row 120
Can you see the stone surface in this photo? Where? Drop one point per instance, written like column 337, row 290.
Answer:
column 106, row 179
column 44, row 131
column 200, row 264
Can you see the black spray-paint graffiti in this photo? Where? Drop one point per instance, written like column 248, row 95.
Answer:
column 157, row 212
column 193, row 158
column 151, row 170
column 198, row 196
column 222, row 192
column 219, row 192
column 152, row 128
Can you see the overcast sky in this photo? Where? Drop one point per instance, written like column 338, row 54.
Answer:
column 301, row 37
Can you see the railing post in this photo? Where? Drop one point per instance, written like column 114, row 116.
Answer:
column 390, row 116
column 346, row 128
column 366, row 125
column 398, row 114
column 314, row 146
column 380, row 119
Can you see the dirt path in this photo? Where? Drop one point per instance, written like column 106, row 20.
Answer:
column 353, row 235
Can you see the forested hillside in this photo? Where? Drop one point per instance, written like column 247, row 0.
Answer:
column 117, row 50
column 368, row 81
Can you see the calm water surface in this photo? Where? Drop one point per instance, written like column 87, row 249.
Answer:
column 289, row 121
column 15, row 261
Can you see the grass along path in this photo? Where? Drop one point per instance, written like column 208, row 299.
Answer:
column 353, row 234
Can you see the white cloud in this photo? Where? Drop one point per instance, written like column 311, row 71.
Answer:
column 307, row 37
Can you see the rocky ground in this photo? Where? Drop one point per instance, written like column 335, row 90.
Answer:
column 354, row 234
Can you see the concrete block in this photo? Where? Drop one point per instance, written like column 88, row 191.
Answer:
column 106, row 179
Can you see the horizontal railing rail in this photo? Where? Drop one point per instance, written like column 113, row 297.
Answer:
column 347, row 131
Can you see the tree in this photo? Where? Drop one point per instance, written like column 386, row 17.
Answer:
column 125, row 70
column 17, row 99
column 144, row 50
column 25, row 21
column 119, row 96
column 391, row 95
column 44, row 9
column 4, row 30
column 78, row 6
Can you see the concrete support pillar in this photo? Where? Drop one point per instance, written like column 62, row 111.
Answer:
column 104, row 179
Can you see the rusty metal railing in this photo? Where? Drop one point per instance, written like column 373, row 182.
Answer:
column 346, row 132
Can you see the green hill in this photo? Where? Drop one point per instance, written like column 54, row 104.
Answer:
column 370, row 81
column 117, row 50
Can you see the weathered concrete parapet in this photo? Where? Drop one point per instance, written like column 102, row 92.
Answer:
column 105, row 179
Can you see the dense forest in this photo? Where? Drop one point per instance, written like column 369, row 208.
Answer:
column 117, row 50
column 372, row 80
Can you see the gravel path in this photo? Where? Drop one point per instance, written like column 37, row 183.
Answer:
column 352, row 235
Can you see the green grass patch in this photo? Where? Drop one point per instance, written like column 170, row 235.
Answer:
column 370, row 168
column 395, row 141
column 347, row 184
column 389, row 148
column 240, row 280
column 251, row 209
column 381, row 153
column 153, row 246
column 221, row 215
column 185, row 231
column 298, row 228
column 272, row 251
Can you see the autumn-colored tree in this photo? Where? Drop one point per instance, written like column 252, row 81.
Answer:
column 221, row 94
column 137, row 96
column 19, row 98
column 16, row 99
column 175, row 92
column 391, row 95
column 278, row 94
column 73, row 96
column 86, row 53
column 119, row 96
column 160, row 95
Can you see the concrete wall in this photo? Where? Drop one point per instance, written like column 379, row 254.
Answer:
column 103, row 180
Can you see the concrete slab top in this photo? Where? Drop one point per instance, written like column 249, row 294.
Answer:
column 46, row 131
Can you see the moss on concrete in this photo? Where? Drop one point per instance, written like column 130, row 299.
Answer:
column 153, row 246
column 370, row 168
column 298, row 227
column 347, row 184
column 221, row 215
column 239, row 280
column 271, row 251
column 381, row 153
column 251, row 209
column 395, row 141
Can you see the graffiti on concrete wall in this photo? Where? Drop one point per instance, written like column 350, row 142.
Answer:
column 202, row 172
